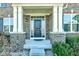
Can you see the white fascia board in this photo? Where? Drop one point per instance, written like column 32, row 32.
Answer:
column 37, row 4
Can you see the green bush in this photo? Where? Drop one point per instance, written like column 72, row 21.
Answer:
column 1, row 48
column 72, row 40
column 62, row 49
column 71, row 47
column 74, row 43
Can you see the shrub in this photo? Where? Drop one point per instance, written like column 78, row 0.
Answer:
column 62, row 49
column 72, row 40
column 71, row 47
column 74, row 43
column 1, row 48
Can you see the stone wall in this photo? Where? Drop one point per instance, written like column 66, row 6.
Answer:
column 72, row 34
column 57, row 37
column 26, row 26
column 61, row 37
column 48, row 25
column 17, row 41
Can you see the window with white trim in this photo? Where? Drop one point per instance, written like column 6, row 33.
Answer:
column 8, row 24
column 71, row 23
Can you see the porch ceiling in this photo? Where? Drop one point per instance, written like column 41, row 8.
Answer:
column 37, row 9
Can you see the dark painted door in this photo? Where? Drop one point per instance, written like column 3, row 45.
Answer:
column 37, row 28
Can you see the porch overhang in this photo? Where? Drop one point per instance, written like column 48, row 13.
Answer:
column 37, row 4
column 39, row 9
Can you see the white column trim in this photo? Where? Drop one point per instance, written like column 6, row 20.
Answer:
column 9, row 22
column 32, row 27
column 71, row 22
column 60, row 18
column 20, row 19
column 14, row 18
column 43, row 27
column 55, row 29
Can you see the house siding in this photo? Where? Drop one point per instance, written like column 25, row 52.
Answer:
column 17, row 41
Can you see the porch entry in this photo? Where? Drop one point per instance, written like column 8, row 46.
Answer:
column 37, row 27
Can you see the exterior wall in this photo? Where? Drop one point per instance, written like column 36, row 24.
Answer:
column 26, row 26
column 4, row 12
column 72, row 34
column 48, row 25
column 61, row 37
column 17, row 41
column 57, row 37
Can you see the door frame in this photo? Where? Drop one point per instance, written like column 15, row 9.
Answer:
column 41, row 28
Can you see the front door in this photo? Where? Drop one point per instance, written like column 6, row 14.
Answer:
column 37, row 28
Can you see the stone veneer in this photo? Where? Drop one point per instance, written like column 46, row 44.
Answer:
column 17, row 41
column 61, row 37
column 48, row 25
column 69, row 34
column 26, row 26
column 57, row 37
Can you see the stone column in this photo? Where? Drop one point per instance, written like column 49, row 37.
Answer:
column 14, row 18
column 55, row 29
column 60, row 19
column 20, row 19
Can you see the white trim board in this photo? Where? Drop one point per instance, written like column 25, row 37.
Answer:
column 37, row 14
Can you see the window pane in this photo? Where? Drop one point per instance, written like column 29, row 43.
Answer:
column 67, row 21
column 6, row 28
column 66, row 27
column 6, row 24
column 3, row 5
column 1, row 25
column 74, row 27
column 6, row 21
column 11, row 28
column 77, row 27
column 67, row 18
column 75, row 22
column 11, row 21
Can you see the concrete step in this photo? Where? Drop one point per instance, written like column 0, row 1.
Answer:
column 37, row 52
column 48, row 52
column 30, row 44
column 31, row 41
